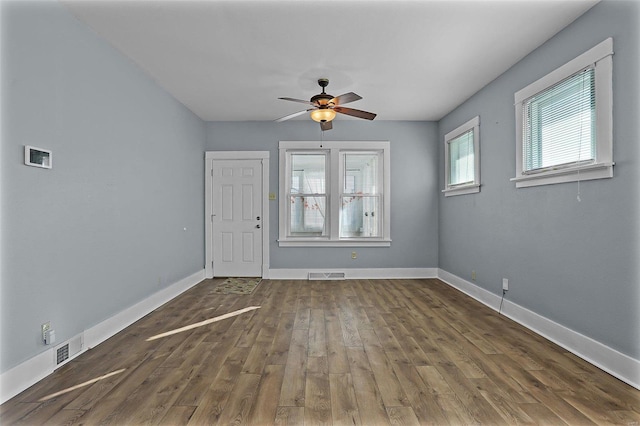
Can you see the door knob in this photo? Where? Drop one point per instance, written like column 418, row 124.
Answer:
column 258, row 226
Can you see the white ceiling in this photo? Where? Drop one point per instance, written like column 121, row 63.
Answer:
column 409, row 60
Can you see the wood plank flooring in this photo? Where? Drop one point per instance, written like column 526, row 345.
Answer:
column 357, row 352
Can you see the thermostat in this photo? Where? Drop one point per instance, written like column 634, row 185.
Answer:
column 37, row 157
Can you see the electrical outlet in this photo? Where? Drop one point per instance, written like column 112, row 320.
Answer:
column 473, row 275
column 354, row 255
column 45, row 327
column 505, row 284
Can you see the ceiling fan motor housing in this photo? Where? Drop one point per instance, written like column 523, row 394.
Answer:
column 322, row 99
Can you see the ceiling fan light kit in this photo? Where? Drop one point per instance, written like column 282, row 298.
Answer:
column 325, row 107
column 322, row 115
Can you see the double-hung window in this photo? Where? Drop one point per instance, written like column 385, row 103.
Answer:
column 564, row 122
column 334, row 194
column 462, row 159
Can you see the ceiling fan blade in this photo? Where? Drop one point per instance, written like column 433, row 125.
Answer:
column 326, row 126
column 295, row 114
column 343, row 99
column 355, row 113
column 299, row 100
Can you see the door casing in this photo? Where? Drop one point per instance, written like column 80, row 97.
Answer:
column 211, row 156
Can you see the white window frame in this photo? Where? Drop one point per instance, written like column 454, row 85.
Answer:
column 470, row 187
column 333, row 190
column 599, row 57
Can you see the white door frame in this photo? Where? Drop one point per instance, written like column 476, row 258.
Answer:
column 209, row 157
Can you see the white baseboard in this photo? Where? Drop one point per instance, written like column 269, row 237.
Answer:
column 357, row 273
column 608, row 359
column 107, row 328
column 19, row 378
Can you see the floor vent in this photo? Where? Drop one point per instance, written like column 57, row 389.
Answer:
column 69, row 349
column 326, row 275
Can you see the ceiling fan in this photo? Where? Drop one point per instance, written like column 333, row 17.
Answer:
column 325, row 107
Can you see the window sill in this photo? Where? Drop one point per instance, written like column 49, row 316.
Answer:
column 352, row 242
column 566, row 174
column 462, row 190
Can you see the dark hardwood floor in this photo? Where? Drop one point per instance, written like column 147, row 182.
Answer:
column 327, row 352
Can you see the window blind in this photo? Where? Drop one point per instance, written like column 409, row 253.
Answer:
column 560, row 124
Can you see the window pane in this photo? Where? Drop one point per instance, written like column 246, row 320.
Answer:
column 461, row 158
column 308, row 173
column 361, row 173
column 560, row 123
column 360, row 216
column 308, row 215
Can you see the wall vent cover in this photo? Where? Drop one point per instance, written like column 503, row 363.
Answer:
column 326, row 276
column 62, row 354
column 69, row 349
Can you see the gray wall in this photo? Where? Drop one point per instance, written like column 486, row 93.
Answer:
column 573, row 262
column 103, row 229
column 414, row 180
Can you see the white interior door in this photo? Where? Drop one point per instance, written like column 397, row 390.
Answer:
column 237, row 219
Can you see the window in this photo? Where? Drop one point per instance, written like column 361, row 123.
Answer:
column 462, row 159
column 564, row 122
column 334, row 194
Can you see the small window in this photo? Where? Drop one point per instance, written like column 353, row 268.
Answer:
column 564, row 124
column 462, row 159
column 334, row 194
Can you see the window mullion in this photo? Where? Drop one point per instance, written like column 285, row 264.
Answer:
column 335, row 178
column 283, row 187
column 386, row 194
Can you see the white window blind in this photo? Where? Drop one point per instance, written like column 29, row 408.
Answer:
column 461, row 157
column 559, row 124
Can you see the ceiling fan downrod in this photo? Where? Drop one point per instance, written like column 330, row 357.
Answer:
column 323, row 98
